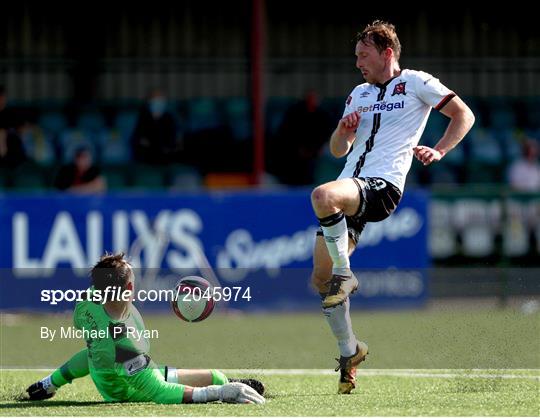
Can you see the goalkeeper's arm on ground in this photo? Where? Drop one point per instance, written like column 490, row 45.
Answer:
column 150, row 384
column 74, row 368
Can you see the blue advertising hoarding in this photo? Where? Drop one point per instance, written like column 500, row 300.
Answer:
column 260, row 240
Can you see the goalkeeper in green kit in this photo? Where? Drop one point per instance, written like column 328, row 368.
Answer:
column 120, row 365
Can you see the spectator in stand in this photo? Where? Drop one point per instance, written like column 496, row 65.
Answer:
column 306, row 127
column 524, row 173
column 154, row 140
column 12, row 151
column 81, row 176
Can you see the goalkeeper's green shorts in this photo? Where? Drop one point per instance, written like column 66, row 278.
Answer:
column 169, row 375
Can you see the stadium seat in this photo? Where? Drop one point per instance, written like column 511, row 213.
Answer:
column 484, row 173
column 202, row 114
column 184, row 177
column 125, row 123
column 475, row 106
column 116, row 176
column 443, row 173
column 485, row 163
column 532, row 116
column 275, row 110
column 237, row 111
column 39, row 146
column 412, row 179
column 456, row 157
column 435, row 128
column 510, row 142
column 334, row 106
column 52, row 123
column 484, row 147
column 29, row 177
column 115, row 148
column 327, row 168
column 147, row 177
column 91, row 121
column 71, row 139
column 501, row 113
column 5, row 177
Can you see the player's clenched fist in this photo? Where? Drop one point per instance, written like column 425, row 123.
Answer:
column 427, row 155
column 350, row 122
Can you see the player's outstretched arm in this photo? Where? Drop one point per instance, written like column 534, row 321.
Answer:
column 76, row 367
column 151, row 386
column 343, row 136
column 461, row 121
column 230, row 392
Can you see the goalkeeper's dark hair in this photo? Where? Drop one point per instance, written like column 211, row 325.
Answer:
column 111, row 270
column 381, row 35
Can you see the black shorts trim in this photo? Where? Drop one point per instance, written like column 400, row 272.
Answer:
column 363, row 199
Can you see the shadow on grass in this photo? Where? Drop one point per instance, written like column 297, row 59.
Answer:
column 304, row 395
column 25, row 403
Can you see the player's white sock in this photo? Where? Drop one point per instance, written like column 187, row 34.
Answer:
column 339, row 319
column 172, row 375
column 335, row 233
column 48, row 385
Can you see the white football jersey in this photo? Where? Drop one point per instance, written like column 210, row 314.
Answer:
column 394, row 116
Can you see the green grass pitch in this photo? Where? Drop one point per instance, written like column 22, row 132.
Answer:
column 312, row 395
column 444, row 362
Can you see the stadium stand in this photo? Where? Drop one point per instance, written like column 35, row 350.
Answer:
column 502, row 124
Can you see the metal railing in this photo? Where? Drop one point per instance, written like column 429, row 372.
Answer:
column 38, row 78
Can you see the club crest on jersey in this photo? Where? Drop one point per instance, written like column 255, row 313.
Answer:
column 399, row 88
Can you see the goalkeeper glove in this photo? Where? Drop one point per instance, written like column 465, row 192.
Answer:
column 231, row 392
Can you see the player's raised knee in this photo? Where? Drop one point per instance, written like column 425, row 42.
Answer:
column 323, row 198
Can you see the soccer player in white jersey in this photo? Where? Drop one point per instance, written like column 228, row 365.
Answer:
column 383, row 121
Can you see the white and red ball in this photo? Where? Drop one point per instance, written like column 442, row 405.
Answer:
column 193, row 299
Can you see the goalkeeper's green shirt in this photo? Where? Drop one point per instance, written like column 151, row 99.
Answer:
column 118, row 359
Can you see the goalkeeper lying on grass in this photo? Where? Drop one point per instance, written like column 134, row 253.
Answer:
column 120, row 366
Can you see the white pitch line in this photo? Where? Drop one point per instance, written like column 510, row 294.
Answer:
column 474, row 373
column 389, row 372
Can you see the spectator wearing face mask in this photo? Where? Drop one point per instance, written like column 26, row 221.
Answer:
column 154, row 140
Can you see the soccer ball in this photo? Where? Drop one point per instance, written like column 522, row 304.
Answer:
column 193, row 299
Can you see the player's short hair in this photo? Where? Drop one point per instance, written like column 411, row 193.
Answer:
column 111, row 270
column 381, row 35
